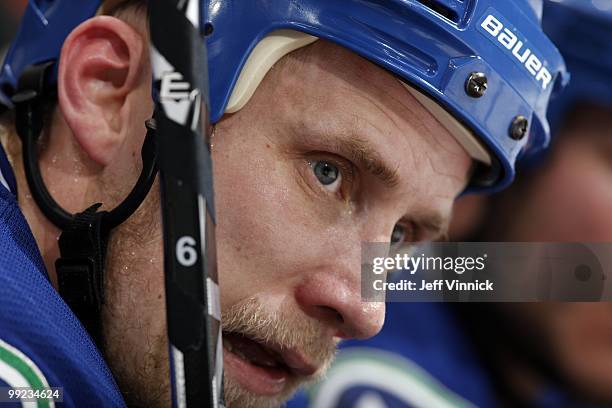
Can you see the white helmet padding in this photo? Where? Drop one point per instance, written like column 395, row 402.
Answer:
column 279, row 43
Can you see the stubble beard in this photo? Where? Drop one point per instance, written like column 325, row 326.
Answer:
column 136, row 343
column 289, row 330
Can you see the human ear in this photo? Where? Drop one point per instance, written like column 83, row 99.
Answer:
column 101, row 67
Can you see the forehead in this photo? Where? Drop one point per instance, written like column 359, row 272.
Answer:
column 326, row 89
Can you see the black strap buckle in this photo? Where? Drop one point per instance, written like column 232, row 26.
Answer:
column 80, row 269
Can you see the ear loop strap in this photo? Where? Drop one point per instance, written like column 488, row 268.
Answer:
column 84, row 238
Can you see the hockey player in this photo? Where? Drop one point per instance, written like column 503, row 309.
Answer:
column 335, row 123
column 512, row 355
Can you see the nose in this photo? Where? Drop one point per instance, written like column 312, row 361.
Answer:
column 335, row 300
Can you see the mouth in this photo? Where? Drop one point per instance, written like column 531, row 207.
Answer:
column 264, row 368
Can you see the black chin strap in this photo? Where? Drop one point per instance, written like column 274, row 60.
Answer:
column 84, row 238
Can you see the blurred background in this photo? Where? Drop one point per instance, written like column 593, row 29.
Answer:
column 10, row 13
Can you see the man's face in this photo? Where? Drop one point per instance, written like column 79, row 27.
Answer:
column 570, row 199
column 330, row 152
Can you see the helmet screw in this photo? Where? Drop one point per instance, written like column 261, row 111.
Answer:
column 476, row 85
column 518, row 128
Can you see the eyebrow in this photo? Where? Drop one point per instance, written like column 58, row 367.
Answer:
column 355, row 148
column 367, row 157
column 362, row 152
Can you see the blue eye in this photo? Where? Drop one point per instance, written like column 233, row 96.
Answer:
column 327, row 174
column 398, row 235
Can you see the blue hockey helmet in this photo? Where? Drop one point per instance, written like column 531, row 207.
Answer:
column 582, row 29
column 484, row 68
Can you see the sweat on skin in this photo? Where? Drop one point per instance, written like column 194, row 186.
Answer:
column 331, row 151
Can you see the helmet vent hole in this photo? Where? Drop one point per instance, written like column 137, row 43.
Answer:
column 208, row 29
column 438, row 7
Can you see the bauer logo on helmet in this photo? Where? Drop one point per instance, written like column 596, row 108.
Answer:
column 509, row 40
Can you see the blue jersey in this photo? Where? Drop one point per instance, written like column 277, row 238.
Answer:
column 421, row 359
column 42, row 343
